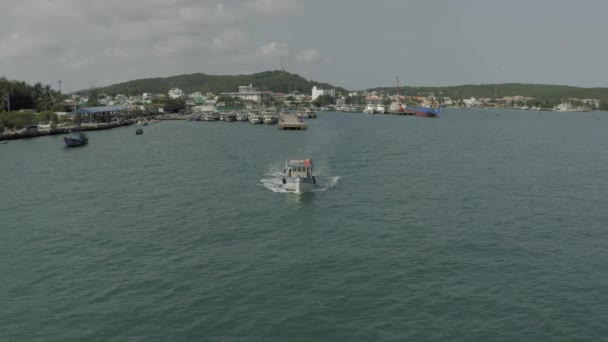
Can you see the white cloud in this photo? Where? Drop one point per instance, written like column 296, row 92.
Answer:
column 308, row 56
column 230, row 40
column 272, row 50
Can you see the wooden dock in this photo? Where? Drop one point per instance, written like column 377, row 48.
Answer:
column 291, row 122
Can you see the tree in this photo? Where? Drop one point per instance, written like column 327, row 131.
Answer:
column 324, row 100
column 93, row 98
column 174, row 105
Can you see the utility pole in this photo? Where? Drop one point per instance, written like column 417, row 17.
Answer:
column 7, row 98
column 59, row 85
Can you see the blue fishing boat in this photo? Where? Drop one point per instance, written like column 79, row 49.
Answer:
column 423, row 111
column 430, row 108
column 75, row 139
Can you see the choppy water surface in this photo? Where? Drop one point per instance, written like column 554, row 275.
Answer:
column 480, row 225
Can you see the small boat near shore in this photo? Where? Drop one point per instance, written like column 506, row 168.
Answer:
column 242, row 116
column 139, row 131
column 76, row 139
column 298, row 176
column 230, row 117
column 2, row 142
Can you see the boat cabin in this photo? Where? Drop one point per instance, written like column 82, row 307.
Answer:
column 299, row 168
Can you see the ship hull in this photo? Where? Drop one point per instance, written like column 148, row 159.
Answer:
column 423, row 112
column 74, row 142
column 298, row 185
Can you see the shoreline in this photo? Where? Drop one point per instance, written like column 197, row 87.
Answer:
column 42, row 132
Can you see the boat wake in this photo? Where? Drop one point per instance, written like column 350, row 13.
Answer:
column 274, row 182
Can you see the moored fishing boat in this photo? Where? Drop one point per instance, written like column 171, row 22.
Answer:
column 139, row 131
column 270, row 119
column 230, row 117
column 255, row 118
column 430, row 109
column 423, row 111
column 242, row 116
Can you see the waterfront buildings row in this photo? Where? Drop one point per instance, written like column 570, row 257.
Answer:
column 249, row 96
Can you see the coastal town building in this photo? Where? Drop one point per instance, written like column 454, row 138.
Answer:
column 316, row 92
column 176, row 93
column 591, row 103
column 249, row 93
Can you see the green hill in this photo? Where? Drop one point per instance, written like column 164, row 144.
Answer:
column 552, row 93
column 276, row 81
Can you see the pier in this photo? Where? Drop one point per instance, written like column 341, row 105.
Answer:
column 291, row 122
column 32, row 132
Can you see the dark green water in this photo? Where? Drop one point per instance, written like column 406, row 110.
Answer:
column 472, row 227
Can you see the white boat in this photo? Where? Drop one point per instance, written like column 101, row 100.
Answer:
column 369, row 109
column 563, row 107
column 380, row 109
column 298, row 176
column 255, row 118
column 242, row 116
column 270, row 119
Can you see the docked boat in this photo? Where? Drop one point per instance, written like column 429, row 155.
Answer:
column 139, row 131
column 256, row 118
column 424, row 111
column 369, row 109
column 211, row 117
column 298, row 176
column 567, row 107
column 242, row 116
column 230, row 117
column 380, row 109
column 75, row 139
column 2, row 142
column 270, row 119
column 429, row 109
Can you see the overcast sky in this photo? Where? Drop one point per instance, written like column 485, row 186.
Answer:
column 351, row 43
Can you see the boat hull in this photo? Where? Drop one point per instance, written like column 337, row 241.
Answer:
column 298, row 185
column 69, row 142
column 424, row 112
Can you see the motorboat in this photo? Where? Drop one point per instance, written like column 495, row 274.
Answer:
column 298, row 176
column 75, row 139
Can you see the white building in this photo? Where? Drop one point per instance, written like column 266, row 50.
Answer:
column 249, row 93
column 316, row 92
column 592, row 103
column 176, row 93
column 472, row 102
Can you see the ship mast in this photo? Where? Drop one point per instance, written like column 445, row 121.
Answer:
column 398, row 98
